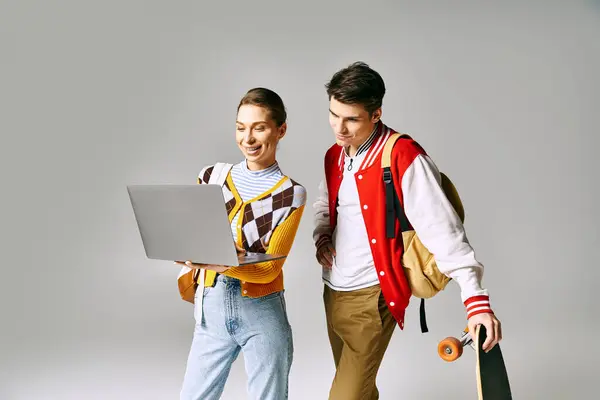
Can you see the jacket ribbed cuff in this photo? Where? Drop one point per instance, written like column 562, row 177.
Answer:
column 322, row 239
column 478, row 305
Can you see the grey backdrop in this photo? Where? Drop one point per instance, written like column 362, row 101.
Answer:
column 97, row 95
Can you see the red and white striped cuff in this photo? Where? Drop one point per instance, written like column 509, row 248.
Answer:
column 322, row 239
column 478, row 305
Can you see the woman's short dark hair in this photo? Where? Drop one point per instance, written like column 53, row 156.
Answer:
column 267, row 99
column 357, row 84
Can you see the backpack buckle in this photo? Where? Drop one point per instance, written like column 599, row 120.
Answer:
column 387, row 175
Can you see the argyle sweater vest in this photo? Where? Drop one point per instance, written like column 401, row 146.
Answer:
column 266, row 224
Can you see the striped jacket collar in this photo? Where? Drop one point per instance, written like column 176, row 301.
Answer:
column 366, row 144
column 373, row 146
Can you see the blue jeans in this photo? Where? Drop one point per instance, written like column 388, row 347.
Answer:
column 229, row 323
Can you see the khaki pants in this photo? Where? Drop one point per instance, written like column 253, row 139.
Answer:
column 360, row 327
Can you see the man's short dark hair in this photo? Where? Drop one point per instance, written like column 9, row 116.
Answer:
column 357, row 84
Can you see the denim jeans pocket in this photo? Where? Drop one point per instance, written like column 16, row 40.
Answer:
column 199, row 298
column 270, row 296
column 284, row 307
column 277, row 299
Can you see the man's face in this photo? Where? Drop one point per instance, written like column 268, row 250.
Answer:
column 351, row 123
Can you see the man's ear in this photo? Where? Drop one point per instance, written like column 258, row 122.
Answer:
column 376, row 116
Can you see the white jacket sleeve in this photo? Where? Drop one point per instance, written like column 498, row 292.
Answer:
column 439, row 228
column 322, row 228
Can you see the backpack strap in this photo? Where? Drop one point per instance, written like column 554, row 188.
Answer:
column 393, row 208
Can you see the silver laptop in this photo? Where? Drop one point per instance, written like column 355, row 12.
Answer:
column 187, row 223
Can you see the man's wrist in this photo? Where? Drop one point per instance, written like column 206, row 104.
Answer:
column 478, row 305
column 323, row 239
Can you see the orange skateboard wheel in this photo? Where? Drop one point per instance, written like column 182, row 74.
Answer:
column 450, row 349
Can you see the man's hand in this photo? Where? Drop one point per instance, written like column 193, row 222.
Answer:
column 492, row 326
column 325, row 254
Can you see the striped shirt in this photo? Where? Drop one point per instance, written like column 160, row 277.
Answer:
column 250, row 184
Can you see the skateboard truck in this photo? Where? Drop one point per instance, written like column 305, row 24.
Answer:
column 492, row 379
column 451, row 348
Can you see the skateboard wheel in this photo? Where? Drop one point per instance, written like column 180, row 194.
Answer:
column 450, row 349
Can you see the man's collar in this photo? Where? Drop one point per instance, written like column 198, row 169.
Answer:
column 367, row 143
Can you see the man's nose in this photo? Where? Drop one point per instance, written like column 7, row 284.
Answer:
column 338, row 127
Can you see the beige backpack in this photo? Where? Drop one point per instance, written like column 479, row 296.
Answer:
column 420, row 268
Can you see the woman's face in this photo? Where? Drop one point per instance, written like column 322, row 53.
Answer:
column 257, row 136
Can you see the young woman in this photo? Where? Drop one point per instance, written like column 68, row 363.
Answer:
column 243, row 308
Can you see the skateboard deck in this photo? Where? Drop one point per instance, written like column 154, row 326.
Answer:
column 492, row 378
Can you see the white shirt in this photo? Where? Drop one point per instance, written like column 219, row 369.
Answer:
column 353, row 267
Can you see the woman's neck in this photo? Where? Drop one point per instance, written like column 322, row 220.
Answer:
column 258, row 166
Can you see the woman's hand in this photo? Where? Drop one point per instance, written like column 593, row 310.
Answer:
column 217, row 268
column 240, row 250
column 212, row 267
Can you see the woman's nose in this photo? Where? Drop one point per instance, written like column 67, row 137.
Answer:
column 248, row 137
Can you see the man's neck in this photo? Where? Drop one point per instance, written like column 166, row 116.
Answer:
column 352, row 149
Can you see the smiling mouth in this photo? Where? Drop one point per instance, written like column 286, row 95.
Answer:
column 253, row 150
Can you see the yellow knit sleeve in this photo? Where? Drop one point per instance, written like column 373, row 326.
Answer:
column 280, row 243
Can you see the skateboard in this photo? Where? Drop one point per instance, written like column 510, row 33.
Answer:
column 492, row 378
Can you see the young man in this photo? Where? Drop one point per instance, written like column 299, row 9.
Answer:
column 366, row 292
